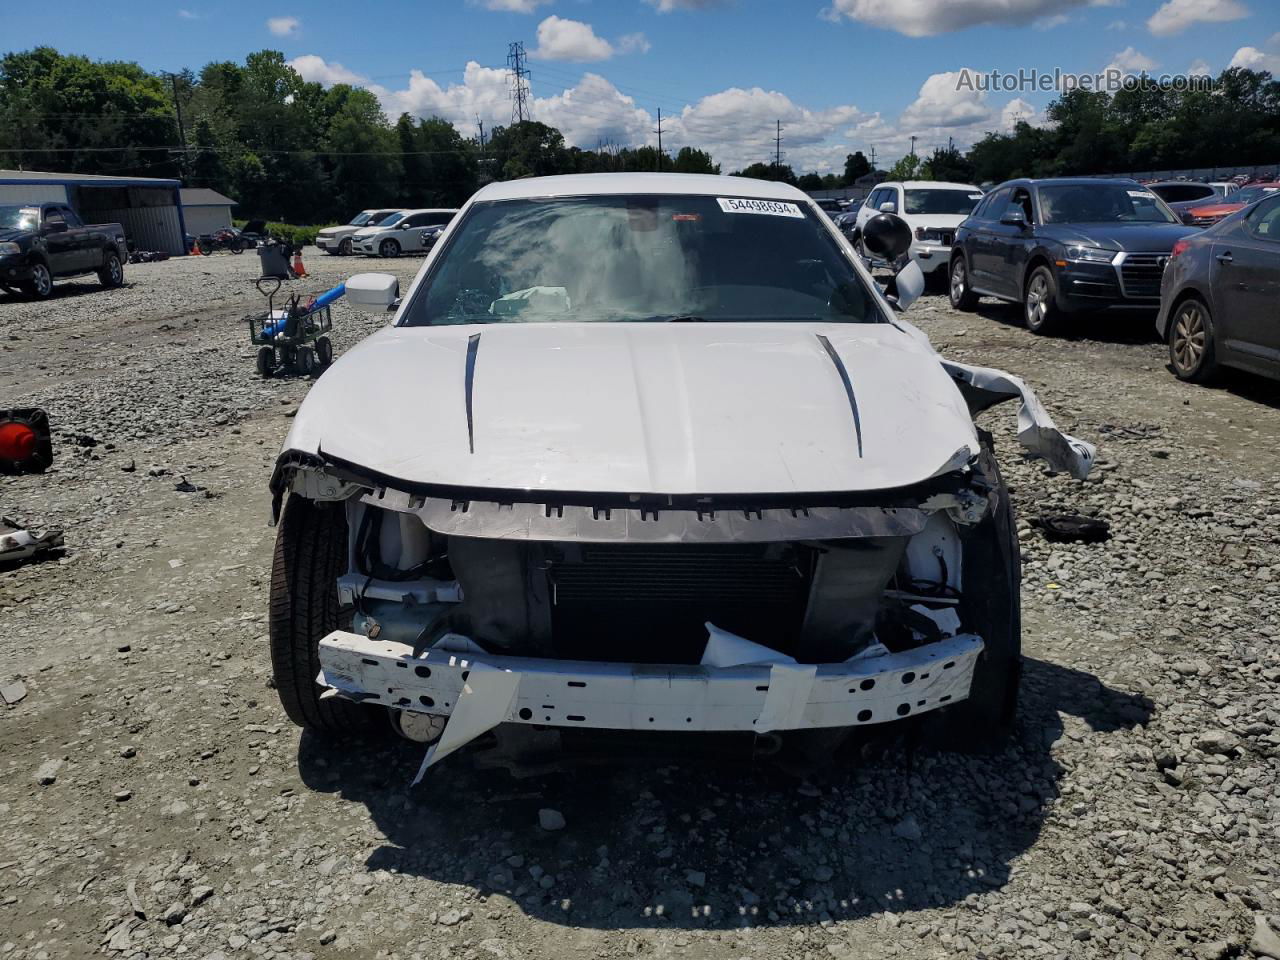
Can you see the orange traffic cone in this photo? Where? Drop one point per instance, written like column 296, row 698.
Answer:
column 195, row 249
column 298, row 268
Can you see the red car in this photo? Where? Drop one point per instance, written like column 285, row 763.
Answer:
column 1211, row 212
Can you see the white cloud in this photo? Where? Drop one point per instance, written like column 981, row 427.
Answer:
column 634, row 43
column 1251, row 58
column 666, row 6
column 1048, row 23
column 1130, row 60
column 925, row 18
column 318, row 70
column 510, row 6
column 1176, row 15
column 1199, row 68
column 1117, row 25
column 1018, row 111
column 284, row 26
column 594, row 111
column 188, row 15
column 940, row 103
column 561, row 39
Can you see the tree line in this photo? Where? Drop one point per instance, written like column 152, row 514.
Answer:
column 292, row 150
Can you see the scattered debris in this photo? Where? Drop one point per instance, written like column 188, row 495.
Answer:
column 12, row 693
column 1072, row 528
column 17, row 544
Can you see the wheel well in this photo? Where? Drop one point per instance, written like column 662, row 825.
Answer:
column 1037, row 260
column 1188, row 293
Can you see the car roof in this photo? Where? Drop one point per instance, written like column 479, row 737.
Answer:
column 1061, row 181
column 605, row 184
column 410, row 212
column 937, row 184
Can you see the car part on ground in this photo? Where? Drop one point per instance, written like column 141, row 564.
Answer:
column 18, row 544
column 566, row 540
column 1072, row 528
column 26, row 445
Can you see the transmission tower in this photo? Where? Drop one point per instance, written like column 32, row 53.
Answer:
column 520, row 96
column 777, row 146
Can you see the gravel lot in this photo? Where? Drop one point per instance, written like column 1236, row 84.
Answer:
column 156, row 802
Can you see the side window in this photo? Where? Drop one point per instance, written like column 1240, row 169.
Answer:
column 1264, row 221
column 439, row 219
column 891, row 196
column 418, row 220
column 54, row 215
column 1022, row 201
column 993, row 206
column 870, row 202
column 72, row 219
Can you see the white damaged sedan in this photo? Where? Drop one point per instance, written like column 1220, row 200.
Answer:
column 648, row 452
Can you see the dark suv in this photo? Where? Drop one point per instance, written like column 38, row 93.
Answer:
column 1062, row 246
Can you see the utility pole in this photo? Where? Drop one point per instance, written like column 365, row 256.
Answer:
column 873, row 158
column 182, row 130
column 777, row 147
column 913, row 144
column 659, row 133
column 480, row 124
column 520, row 96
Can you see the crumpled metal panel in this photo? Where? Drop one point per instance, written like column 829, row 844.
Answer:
column 1036, row 430
column 632, row 696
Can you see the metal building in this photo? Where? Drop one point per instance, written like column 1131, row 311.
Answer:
column 205, row 210
column 150, row 210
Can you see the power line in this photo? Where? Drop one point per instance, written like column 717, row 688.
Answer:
column 520, row 95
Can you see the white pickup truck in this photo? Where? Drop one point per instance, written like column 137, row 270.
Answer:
column 409, row 231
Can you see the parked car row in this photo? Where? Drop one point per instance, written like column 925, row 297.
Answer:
column 386, row 233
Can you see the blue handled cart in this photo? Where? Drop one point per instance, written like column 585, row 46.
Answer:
column 292, row 338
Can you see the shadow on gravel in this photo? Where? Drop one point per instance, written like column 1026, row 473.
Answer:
column 1247, row 386
column 1104, row 326
column 62, row 290
column 720, row 846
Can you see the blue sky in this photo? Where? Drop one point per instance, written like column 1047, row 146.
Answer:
column 841, row 75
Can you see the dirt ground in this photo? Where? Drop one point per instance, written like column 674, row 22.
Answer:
column 155, row 801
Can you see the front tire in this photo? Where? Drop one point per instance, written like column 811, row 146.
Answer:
column 959, row 292
column 1040, row 302
column 993, row 612
column 40, row 286
column 1192, row 351
column 344, row 248
column 112, row 272
column 388, row 249
column 310, row 555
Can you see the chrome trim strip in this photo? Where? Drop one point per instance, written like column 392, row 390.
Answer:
column 473, row 347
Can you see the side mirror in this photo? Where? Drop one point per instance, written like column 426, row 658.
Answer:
column 55, row 226
column 1014, row 217
column 908, row 284
column 373, row 291
column 888, row 207
column 886, row 237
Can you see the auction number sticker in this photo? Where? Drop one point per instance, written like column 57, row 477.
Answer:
column 1140, row 194
column 772, row 208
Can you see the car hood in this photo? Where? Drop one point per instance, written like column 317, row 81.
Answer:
column 686, row 408
column 945, row 221
column 8, row 236
column 1146, row 237
column 370, row 231
column 1213, row 209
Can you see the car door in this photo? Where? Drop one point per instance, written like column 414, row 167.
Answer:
column 982, row 247
column 1246, row 283
column 88, row 250
column 59, row 242
column 409, row 232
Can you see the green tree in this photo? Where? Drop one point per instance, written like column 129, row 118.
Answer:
column 947, row 163
column 906, row 168
column 529, row 149
column 855, row 165
column 692, row 160
column 767, row 171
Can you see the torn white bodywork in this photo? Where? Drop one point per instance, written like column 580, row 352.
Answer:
column 480, row 691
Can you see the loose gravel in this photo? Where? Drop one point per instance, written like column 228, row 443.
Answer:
column 156, row 802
